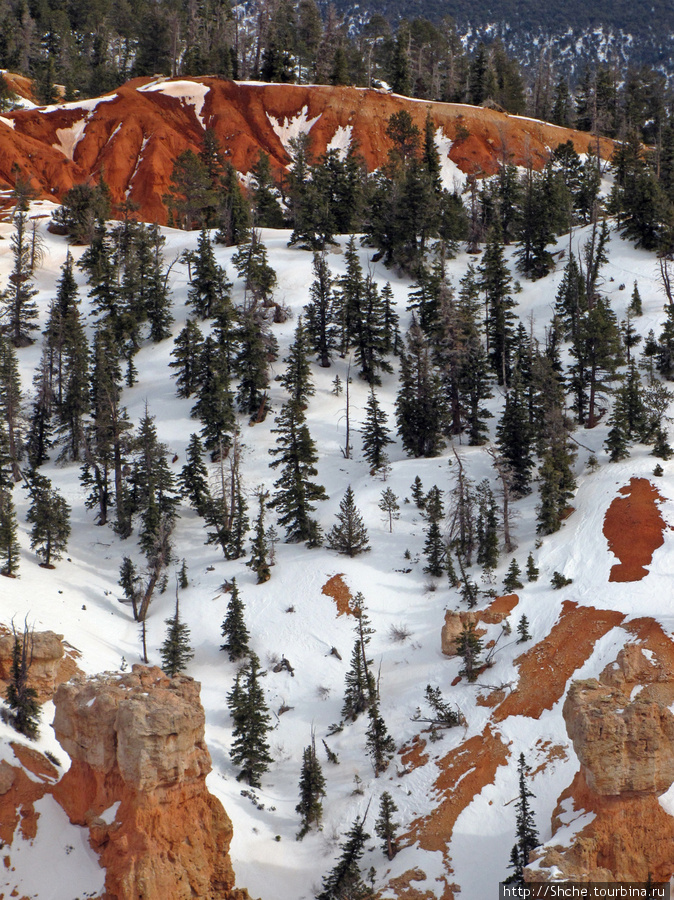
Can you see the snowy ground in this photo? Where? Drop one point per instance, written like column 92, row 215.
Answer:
column 289, row 615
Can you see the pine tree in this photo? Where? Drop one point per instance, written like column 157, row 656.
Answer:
column 418, row 493
column 385, row 828
column 496, row 282
column 420, row 405
column 434, row 551
column 532, row 570
column 252, row 265
column 9, row 545
column 515, row 438
column 380, row 744
column 295, row 492
column 256, row 349
column 375, row 434
column 10, row 404
column 252, row 722
column 486, row 527
column 215, row 405
column 321, row 327
column 234, row 627
column 21, row 698
column 345, row 882
column 312, row 790
column 390, row 507
column 268, row 212
column 512, row 582
column 349, row 535
column 186, row 352
column 259, row 562
column 527, row 836
column 49, row 515
column 523, row 630
column 176, row 651
column 635, row 307
column 193, row 478
column 469, row 648
column 209, row 288
column 20, row 309
column 183, row 581
column 297, row 377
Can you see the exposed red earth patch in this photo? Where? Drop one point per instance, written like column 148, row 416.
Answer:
column 337, row 588
column 135, row 137
column 412, row 755
column 633, row 527
column 547, row 667
column 464, row 772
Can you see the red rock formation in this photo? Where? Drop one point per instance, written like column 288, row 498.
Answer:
column 137, row 780
column 494, row 614
column 624, row 741
column 53, row 662
column 134, row 135
column 633, row 527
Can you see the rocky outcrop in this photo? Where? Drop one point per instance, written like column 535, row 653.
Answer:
column 135, row 134
column 494, row 614
column 137, row 780
column 622, row 730
column 53, row 662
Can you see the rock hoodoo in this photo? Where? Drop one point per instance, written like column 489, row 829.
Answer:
column 622, row 730
column 53, row 662
column 137, row 780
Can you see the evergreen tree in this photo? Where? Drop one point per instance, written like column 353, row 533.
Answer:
column 20, row 309
column 380, row 744
column 512, row 582
column 349, row 535
column 176, row 651
column 312, row 790
column 9, row 545
column 418, row 493
column 346, row 880
column 527, row 836
column 186, row 353
column 252, row 722
column 523, row 630
column 234, row 627
column 209, row 289
column 514, row 437
column 532, row 570
column 49, row 515
column 390, row 507
column 10, row 404
column 193, row 478
column 252, row 364
column 385, row 827
column 635, row 307
column 469, row 648
column 371, row 339
column 252, row 265
column 496, row 282
column 321, row 327
column 268, row 212
column 375, row 434
column 487, row 528
column 259, row 562
column 215, row 405
column 295, row 492
column 297, row 377
column 183, row 581
column 22, row 699
column 420, row 405
column 434, row 551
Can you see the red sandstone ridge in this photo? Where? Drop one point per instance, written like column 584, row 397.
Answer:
column 137, row 780
column 633, row 527
column 134, row 134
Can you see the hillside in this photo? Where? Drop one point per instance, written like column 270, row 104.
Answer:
column 133, row 136
column 454, row 796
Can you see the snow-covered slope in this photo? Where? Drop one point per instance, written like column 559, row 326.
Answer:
column 289, row 615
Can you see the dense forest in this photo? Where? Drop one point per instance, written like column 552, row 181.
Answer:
column 88, row 49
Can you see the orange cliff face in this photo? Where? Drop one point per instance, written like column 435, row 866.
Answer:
column 133, row 136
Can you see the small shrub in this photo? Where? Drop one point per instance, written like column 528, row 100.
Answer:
column 399, row 633
column 559, row 581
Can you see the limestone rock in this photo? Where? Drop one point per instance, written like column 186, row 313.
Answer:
column 50, row 667
column 137, row 779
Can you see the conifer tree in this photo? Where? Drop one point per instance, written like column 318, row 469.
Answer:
column 234, row 627
column 486, row 527
column 391, row 320
column 183, row 581
column 22, row 699
column 420, row 405
column 176, row 651
column 297, row 377
column 252, row 265
column 49, row 515
column 385, row 828
column 434, row 551
column 259, row 562
column 9, row 544
column 532, row 570
column 312, row 790
column 322, row 329
column 215, row 405
column 252, row 722
column 193, row 478
column 348, row 535
column 523, row 630
column 295, row 492
column 527, row 836
column 10, row 404
column 512, row 582
column 496, row 282
column 375, row 434
column 380, row 744
column 209, row 288
column 186, row 354
column 514, row 437
column 418, row 493
column 268, row 212
column 371, row 341
column 346, row 879
column 635, row 307
column 252, row 363
column 469, row 648
column 20, row 309
column 390, row 507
